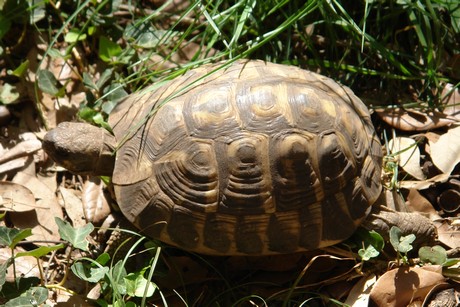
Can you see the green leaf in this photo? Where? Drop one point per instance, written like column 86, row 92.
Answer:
column 405, row 243
column 89, row 82
column 74, row 35
column 5, row 25
column 56, row 54
column 108, row 50
column 3, row 269
column 75, row 236
column 434, row 255
column 49, row 84
column 143, row 35
column 18, row 287
column 451, row 261
column 117, row 281
column 100, row 121
column 40, row 251
column 400, row 243
column 88, row 272
column 104, row 78
column 12, row 236
column 368, row 253
column 87, row 114
column 137, row 285
column 35, row 296
column 20, row 70
column 115, row 93
column 103, row 259
column 395, row 234
column 91, row 30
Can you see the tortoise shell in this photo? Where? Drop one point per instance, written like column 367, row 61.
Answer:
column 256, row 158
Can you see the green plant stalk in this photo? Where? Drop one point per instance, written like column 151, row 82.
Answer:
column 150, row 276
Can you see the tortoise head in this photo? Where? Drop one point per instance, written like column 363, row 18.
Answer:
column 81, row 148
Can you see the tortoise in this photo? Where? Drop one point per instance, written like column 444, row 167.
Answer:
column 256, row 158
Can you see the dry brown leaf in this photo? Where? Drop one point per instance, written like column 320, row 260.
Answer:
column 445, row 153
column 401, row 286
column 13, row 165
column 432, row 137
column 442, row 295
column 417, row 203
column 411, row 120
column 448, row 234
column 394, row 200
column 96, row 207
column 451, row 101
column 41, row 220
column 409, row 155
column 24, row 148
column 73, row 207
column 25, row 266
column 360, row 293
column 425, row 184
column 15, row 197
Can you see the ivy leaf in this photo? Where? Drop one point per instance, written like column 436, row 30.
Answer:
column 137, row 285
column 12, row 236
column 3, row 269
column 108, row 50
column 75, row 236
column 367, row 253
column 49, row 84
column 405, row 243
column 40, row 251
column 118, row 274
column 89, row 273
column 74, row 35
column 434, row 255
column 400, row 243
column 34, row 296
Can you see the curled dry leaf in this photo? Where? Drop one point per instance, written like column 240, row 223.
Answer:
column 73, row 207
column 425, row 184
column 409, row 155
column 24, row 148
column 401, row 286
column 442, row 295
column 15, row 197
column 96, row 207
column 13, row 165
column 394, row 200
column 445, row 153
column 449, row 200
column 411, row 120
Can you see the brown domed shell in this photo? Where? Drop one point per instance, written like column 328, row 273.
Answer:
column 256, row 158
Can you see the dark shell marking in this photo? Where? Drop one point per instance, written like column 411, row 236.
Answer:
column 256, row 159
